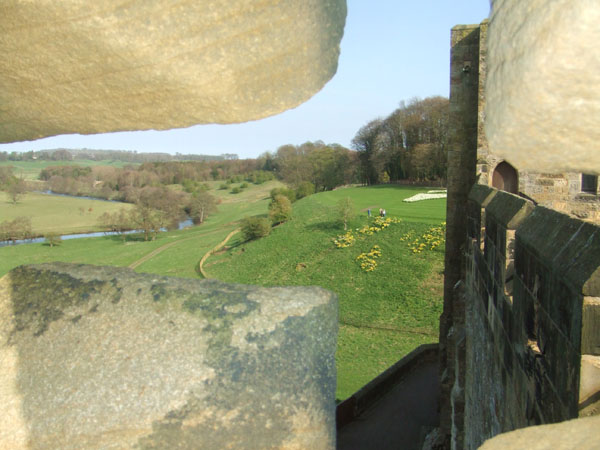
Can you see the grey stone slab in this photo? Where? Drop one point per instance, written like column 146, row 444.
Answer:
column 482, row 194
column 100, row 357
column 508, row 209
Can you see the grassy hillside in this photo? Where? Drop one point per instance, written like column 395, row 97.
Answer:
column 384, row 313
column 181, row 259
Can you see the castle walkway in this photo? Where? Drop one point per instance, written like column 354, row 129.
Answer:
column 396, row 410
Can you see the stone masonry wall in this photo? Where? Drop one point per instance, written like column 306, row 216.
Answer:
column 531, row 290
column 464, row 82
column 559, row 191
column 102, row 357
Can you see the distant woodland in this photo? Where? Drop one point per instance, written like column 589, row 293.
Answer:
column 62, row 154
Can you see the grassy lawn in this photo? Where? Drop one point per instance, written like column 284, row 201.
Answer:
column 30, row 170
column 383, row 314
column 64, row 215
column 180, row 259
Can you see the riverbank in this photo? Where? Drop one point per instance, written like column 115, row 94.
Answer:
column 57, row 214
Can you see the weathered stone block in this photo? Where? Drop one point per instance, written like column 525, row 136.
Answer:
column 481, row 194
column 542, row 101
column 92, row 67
column 508, row 209
column 579, row 433
column 99, row 357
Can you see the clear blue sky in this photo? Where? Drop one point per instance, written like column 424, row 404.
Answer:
column 392, row 50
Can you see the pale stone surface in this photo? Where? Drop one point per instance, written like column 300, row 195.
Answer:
column 543, row 84
column 89, row 67
column 580, row 434
column 98, row 357
column 589, row 385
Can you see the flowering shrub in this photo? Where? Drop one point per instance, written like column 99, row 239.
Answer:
column 368, row 261
column 407, row 236
column 380, row 223
column 430, row 240
column 344, row 240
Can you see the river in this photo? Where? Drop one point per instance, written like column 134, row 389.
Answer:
column 183, row 224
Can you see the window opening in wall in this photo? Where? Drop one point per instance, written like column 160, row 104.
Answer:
column 589, row 183
column 506, row 178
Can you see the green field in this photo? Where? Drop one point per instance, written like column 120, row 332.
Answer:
column 384, row 314
column 186, row 247
column 30, row 170
column 57, row 214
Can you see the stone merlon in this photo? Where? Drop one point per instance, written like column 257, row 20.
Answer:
column 93, row 357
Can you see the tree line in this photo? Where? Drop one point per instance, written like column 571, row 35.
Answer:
column 409, row 144
column 61, row 154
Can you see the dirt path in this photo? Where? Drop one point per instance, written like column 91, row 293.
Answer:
column 162, row 248
column 210, row 252
column 153, row 253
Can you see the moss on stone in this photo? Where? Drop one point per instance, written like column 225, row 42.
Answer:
column 40, row 297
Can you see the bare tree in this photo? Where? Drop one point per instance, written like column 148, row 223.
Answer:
column 16, row 189
column 16, row 229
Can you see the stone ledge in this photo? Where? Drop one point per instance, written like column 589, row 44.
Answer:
column 578, row 433
column 569, row 246
column 482, row 194
column 509, row 209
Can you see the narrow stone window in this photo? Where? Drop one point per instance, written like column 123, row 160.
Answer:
column 589, row 183
column 506, row 178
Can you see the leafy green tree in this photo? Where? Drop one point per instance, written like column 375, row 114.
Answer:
column 118, row 222
column 367, row 144
column 255, row 227
column 346, row 211
column 280, row 209
column 16, row 229
column 53, row 239
column 286, row 192
column 6, row 175
column 202, row 205
column 305, row 189
column 16, row 189
column 148, row 219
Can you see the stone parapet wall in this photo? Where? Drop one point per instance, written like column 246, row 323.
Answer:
column 101, row 357
column 561, row 192
column 531, row 279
